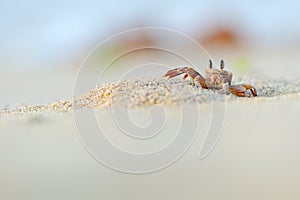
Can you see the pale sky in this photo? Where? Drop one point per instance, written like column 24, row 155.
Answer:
column 33, row 30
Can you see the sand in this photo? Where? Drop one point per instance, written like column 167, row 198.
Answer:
column 257, row 156
column 136, row 93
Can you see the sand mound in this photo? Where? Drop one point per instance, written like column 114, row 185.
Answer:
column 146, row 92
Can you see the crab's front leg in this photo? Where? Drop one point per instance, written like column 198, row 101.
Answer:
column 189, row 72
column 176, row 72
column 243, row 90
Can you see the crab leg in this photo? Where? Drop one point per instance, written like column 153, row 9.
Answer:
column 189, row 72
column 175, row 72
column 243, row 90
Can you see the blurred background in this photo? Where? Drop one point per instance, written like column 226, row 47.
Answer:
column 55, row 34
column 49, row 39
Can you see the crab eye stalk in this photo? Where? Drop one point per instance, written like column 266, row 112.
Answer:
column 222, row 65
column 210, row 64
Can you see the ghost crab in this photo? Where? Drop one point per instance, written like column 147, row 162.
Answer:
column 215, row 79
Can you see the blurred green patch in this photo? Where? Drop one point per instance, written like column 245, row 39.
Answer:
column 242, row 64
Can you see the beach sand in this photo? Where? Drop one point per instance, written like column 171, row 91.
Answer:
column 42, row 156
column 137, row 93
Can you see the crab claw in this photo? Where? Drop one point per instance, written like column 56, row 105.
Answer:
column 175, row 72
column 243, row 90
